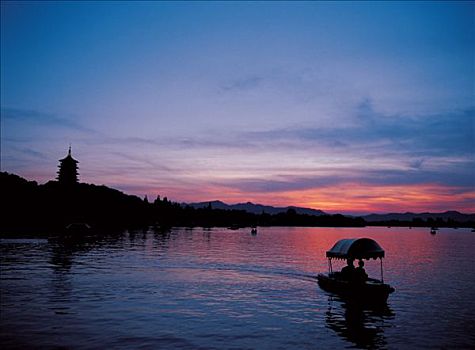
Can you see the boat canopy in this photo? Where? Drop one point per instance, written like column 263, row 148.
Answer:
column 356, row 248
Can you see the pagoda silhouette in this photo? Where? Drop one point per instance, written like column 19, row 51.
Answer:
column 68, row 170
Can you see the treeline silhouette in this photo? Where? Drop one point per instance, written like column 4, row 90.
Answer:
column 419, row 222
column 50, row 207
column 28, row 206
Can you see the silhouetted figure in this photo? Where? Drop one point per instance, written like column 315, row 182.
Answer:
column 68, row 170
column 348, row 271
column 360, row 275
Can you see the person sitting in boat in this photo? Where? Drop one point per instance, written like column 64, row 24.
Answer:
column 348, row 271
column 360, row 275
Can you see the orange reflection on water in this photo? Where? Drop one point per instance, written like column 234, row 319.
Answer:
column 221, row 253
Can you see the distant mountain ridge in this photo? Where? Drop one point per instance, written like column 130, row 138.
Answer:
column 453, row 215
column 255, row 208
column 260, row 208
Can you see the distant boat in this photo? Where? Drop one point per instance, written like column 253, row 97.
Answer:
column 233, row 227
column 254, row 231
column 78, row 226
column 433, row 230
column 370, row 291
column 73, row 233
column 76, row 229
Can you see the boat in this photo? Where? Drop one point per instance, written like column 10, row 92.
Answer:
column 254, row 230
column 369, row 291
column 78, row 227
column 76, row 230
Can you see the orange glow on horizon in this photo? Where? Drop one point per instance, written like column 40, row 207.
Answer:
column 400, row 198
column 343, row 198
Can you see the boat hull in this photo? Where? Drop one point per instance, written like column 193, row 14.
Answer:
column 371, row 291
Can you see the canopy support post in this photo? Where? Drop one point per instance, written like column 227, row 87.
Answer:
column 330, row 267
column 382, row 278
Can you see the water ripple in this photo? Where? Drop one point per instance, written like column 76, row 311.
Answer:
column 219, row 289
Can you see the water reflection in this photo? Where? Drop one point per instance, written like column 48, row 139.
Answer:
column 63, row 250
column 215, row 288
column 362, row 326
column 62, row 255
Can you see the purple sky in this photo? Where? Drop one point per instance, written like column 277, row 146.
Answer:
column 341, row 106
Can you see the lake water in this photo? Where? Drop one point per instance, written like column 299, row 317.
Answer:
column 222, row 289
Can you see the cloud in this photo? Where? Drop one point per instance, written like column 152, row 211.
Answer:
column 430, row 135
column 282, row 183
column 416, row 163
column 385, row 150
column 243, row 84
column 461, row 180
column 379, row 150
column 33, row 153
column 40, row 118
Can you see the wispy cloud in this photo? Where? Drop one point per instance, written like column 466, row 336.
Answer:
column 440, row 134
column 41, row 118
column 461, row 180
column 242, row 84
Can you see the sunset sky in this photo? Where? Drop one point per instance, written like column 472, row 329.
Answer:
column 350, row 107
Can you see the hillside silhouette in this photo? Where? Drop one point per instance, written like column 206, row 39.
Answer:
column 50, row 207
column 256, row 208
column 29, row 206
column 53, row 205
